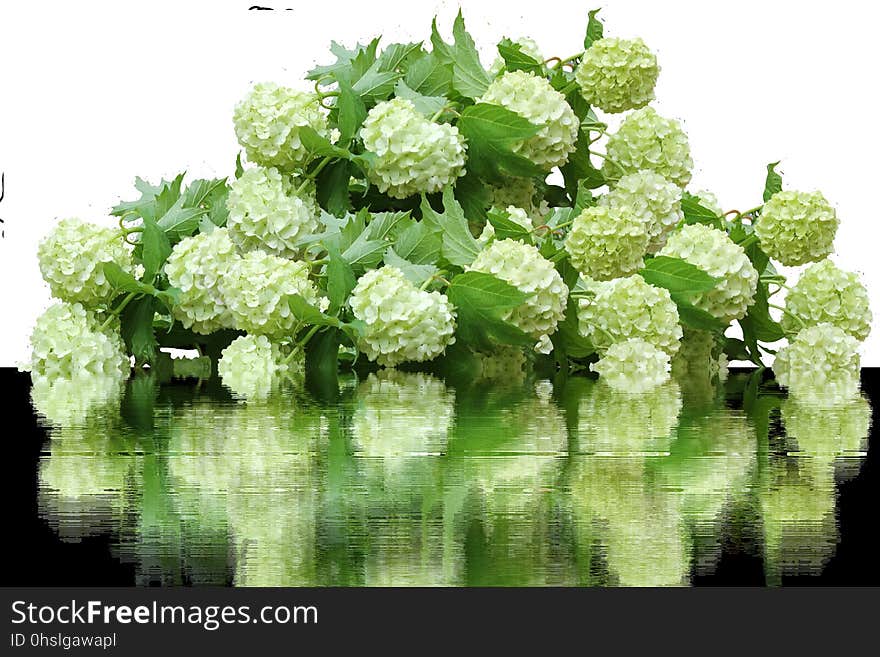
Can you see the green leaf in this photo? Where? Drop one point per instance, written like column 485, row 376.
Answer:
column 507, row 228
column 516, row 60
column 695, row 317
column 735, row 349
column 773, row 182
column 427, row 105
column 352, row 113
column 469, row 78
column 459, row 246
column 349, row 65
column 322, row 362
column 320, row 146
column 396, row 55
column 364, row 253
column 340, row 281
column 136, row 323
column 415, row 274
column 124, row 281
column 491, row 131
column 696, row 213
column 429, row 75
column 473, row 196
column 766, row 329
column 594, row 29
column 584, row 198
column 568, row 338
column 239, row 167
column 481, row 300
column 579, row 170
column 387, row 225
column 179, row 222
column 155, row 249
column 676, row 275
column 306, row 313
column 331, row 188
column 420, row 243
column 375, row 85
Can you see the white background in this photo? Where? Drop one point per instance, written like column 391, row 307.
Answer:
column 94, row 93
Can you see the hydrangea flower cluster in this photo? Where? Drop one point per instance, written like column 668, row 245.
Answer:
column 633, row 366
column 71, row 258
column 527, row 270
column 626, row 308
column 520, row 193
column 616, row 75
column 646, row 140
column 403, row 323
column 714, row 252
column 268, row 121
column 252, row 367
column 826, row 294
column 256, row 288
column 797, row 227
column 268, row 212
column 534, row 99
column 605, row 242
column 820, row 365
column 413, row 154
column 69, row 342
column 648, row 195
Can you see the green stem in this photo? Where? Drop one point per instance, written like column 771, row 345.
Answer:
column 789, row 314
column 748, row 241
column 314, row 172
column 308, row 336
column 115, row 312
column 607, row 159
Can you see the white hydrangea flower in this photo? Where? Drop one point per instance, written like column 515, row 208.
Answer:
column 700, row 356
column 646, row 140
column 515, row 214
column 797, row 227
column 523, row 266
column 196, row 267
column 616, row 75
column 709, row 201
column 256, row 290
column 71, row 258
column 820, row 366
column 714, row 252
column 535, row 100
column 403, row 323
column 413, row 155
column 252, row 367
column 518, row 192
column 267, row 123
column 629, row 307
column 649, row 196
column 66, row 402
column 527, row 45
column 633, row 366
column 70, row 342
column 267, row 213
column 605, row 243
column 826, row 293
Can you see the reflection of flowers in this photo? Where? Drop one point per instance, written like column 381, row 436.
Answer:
column 829, row 432
column 69, row 402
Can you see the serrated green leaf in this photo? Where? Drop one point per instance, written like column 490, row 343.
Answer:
column 481, row 300
column 415, row 274
column 307, row 314
column 735, row 349
column 459, row 246
column 320, row 146
column 491, row 131
column 375, row 85
column 773, row 182
column 568, row 338
column 420, row 243
column 507, row 228
column 584, row 198
column 473, row 196
column 427, row 105
column 696, row 213
column 387, row 225
column 516, row 60
column 579, row 170
column 352, row 113
column 766, row 329
column 155, row 249
column 469, row 78
column 124, row 281
column 594, row 29
column 429, row 75
column 331, row 188
column 364, row 253
column 340, row 281
column 676, row 275
column 239, row 167
column 396, row 55
column 695, row 317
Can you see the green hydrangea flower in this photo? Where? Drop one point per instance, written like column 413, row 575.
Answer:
column 413, row 155
column 534, row 99
column 71, row 258
column 616, row 75
column 267, row 123
column 626, row 308
column 267, row 213
column 650, row 197
column 709, row 201
column 523, row 266
column 715, row 253
column 633, row 366
column 826, row 293
column 196, row 267
column 605, row 243
column 646, row 140
column 69, row 342
column 797, row 227
column 402, row 322
column 256, row 288
column 252, row 367
column 518, row 192
column 820, row 366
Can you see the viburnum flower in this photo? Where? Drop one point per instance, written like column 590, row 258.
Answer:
column 606, row 243
column 196, row 267
column 256, row 288
column 70, row 342
column 268, row 121
column 527, row 270
column 715, row 253
column 413, row 155
column 402, row 322
column 633, row 366
column 616, row 75
column 797, row 227
column 646, row 140
column 518, row 192
column 649, row 196
column 820, row 366
column 267, row 212
column 534, row 99
column 515, row 214
column 71, row 260
column 527, row 46
column 252, row 367
column 826, row 293
column 625, row 308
